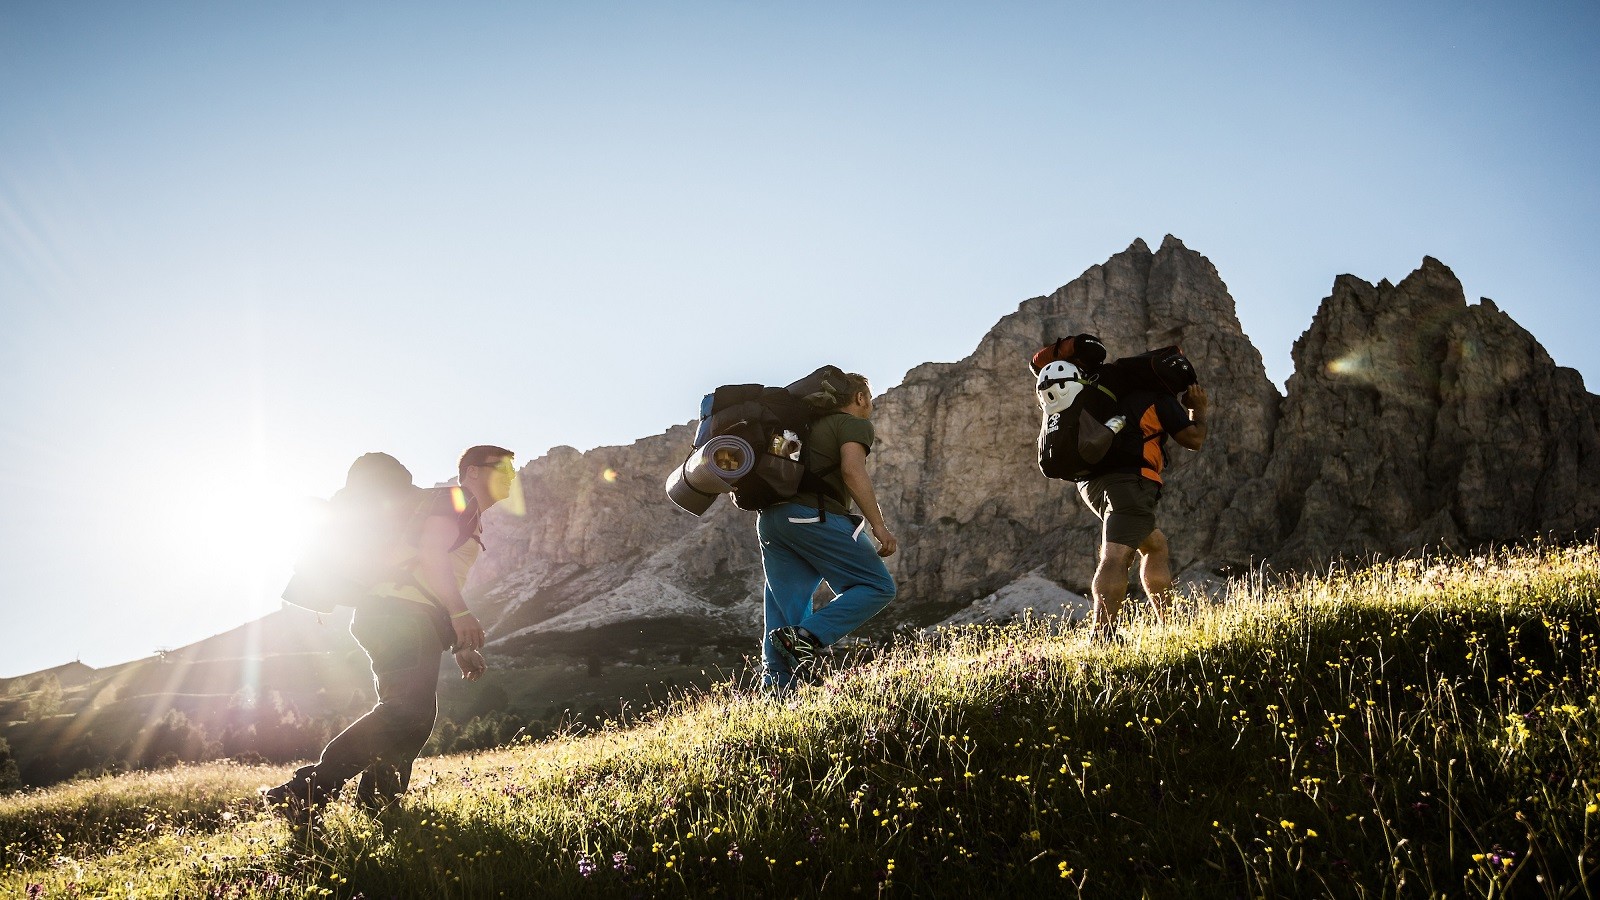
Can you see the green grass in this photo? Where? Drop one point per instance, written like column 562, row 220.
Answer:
column 1400, row 730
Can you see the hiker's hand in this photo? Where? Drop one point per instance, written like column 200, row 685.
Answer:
column 471, row 664
column 887, row 544
column 469, row 634
column 1195, row 398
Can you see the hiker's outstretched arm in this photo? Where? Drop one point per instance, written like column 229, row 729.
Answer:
column 853, row 467
column 439, row 534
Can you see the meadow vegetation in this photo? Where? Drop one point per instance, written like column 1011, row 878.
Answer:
column 154, row 714
column 1413, row 728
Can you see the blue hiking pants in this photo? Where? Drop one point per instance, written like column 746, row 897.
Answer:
column 797, row 554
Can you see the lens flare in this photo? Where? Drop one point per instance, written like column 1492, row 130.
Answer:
column 610, row 475
column 516, row 502
column 1355, row 364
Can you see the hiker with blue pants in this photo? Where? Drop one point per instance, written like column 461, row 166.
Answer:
column 815, row 537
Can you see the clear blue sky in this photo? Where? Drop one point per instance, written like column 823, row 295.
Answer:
column 241, row 244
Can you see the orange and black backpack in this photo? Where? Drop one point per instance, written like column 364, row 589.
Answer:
column 1088, row 427
column 1138, row 381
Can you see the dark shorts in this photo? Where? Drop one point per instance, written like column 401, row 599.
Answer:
column 1125, row 504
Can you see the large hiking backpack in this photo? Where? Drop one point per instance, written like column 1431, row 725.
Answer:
column 1084, row 351
column 751, row 443
column 1163, row 369
column 1080, row 420
column 366, row 536
column 1081, row 395
column 1133, row 381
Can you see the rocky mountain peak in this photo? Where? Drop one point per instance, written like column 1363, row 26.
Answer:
column 1416, row 420
column 1411, row 419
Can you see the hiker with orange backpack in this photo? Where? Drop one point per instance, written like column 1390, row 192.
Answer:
column 1106, row 426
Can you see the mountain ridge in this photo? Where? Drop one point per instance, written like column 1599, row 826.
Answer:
column 1384, row 372
column 1288, row 478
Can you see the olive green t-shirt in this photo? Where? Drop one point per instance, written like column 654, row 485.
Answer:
column 828, row 434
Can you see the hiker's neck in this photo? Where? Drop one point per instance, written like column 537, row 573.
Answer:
column 480, row 495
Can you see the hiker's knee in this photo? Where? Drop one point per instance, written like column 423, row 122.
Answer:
column 1154, row 546
column 878, row 593
column 410, row 703
column 1115, row 557
column 886, row 587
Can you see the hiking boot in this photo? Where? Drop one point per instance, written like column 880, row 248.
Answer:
column 379, row 789
column 798, row 650
column 1107, row 638
column 293, row 800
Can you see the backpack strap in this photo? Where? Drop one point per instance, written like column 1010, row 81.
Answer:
column 815, row 483
column 466, row 530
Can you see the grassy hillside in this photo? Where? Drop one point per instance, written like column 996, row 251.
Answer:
column 278, row 688
column 1407, row 729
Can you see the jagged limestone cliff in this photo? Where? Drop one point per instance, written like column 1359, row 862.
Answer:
column 1412, row 418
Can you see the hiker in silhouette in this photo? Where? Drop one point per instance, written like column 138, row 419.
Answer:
column 1123, row 490
column 815, row 537
column 403, row 625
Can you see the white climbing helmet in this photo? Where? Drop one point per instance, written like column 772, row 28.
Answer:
column 1059, row 384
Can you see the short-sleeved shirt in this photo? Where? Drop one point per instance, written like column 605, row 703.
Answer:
column 822, row 456
column 1141, row 446
column 461, row 507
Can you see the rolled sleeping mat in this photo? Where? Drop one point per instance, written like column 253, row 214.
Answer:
column 688, row 499
column 719, row 463
column 709, row 471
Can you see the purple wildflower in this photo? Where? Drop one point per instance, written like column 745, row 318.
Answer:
column 734, row 854
column 619, row 861
column 35, row 891
column 586, row 865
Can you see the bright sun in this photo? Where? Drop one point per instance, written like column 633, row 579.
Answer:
column 253, row 535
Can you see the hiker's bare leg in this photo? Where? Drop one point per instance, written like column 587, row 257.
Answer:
column 1155, row 573
column 1110, row 585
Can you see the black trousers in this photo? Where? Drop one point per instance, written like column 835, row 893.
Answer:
column 404, row 642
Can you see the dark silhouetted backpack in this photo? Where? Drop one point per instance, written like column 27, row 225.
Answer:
column 751, row 443
column 1080, row 419
column 1164, row 370
column 1082, row 350
column 366, row 536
